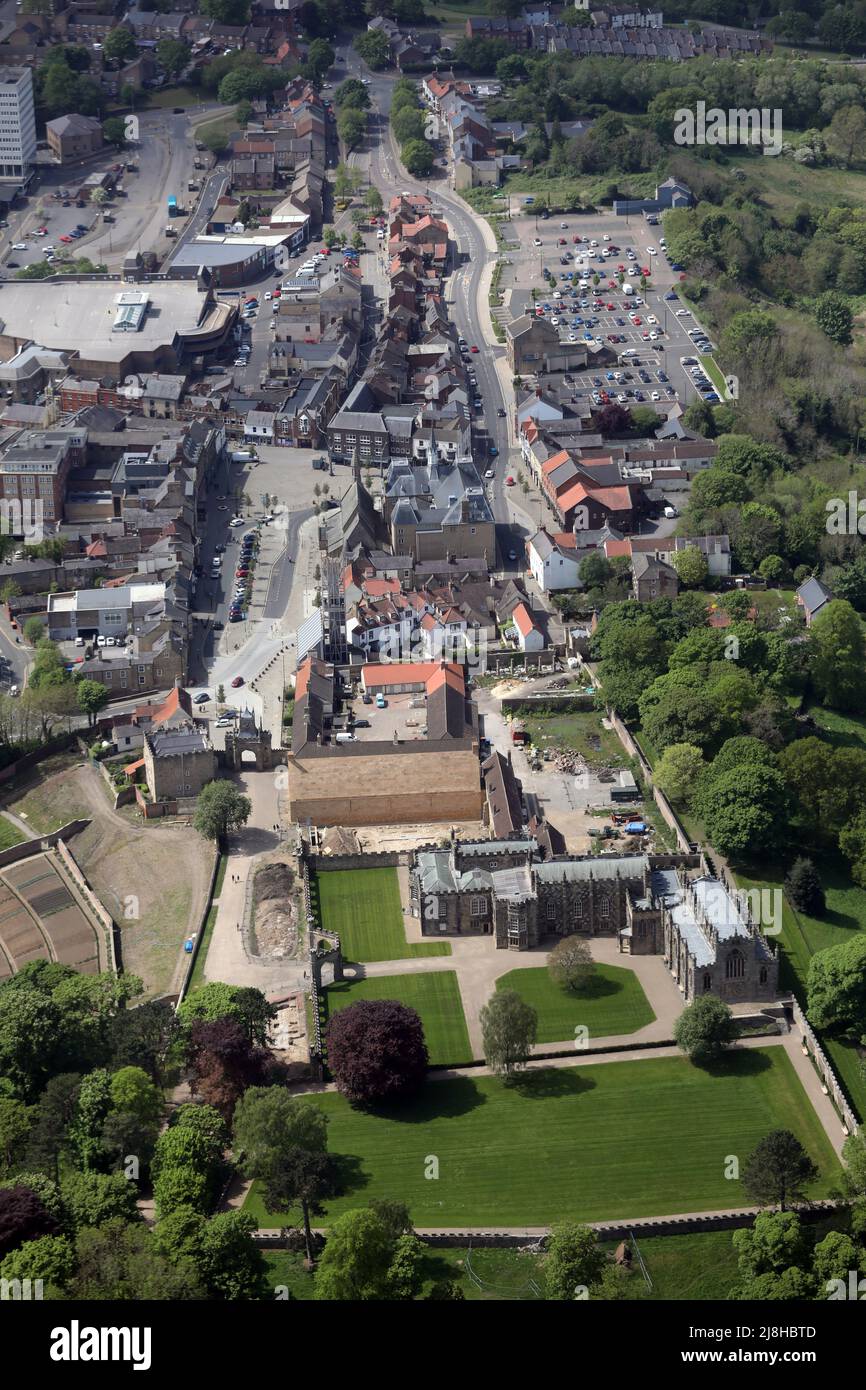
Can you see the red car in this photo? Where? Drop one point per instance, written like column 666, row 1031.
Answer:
column 562, row 241
column 241, row 573
column 238, row 680
column 509, row 482
column 637, row 321
column 576, row 239
column 645, row 336
column 473, row 349
column 67, row 239
column 645, row 270
column 611, row 306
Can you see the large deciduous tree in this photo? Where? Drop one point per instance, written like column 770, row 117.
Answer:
column 509, row 1027
column 574, row 1261
column 376, row 1051
column 570, row 963
column 704, row 1029
column 836, row 987
column 219, row 809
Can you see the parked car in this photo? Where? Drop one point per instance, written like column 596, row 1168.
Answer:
column 238, row 681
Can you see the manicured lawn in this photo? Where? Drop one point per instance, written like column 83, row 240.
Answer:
column 614, row 1002
column 434, row 997
column 616, row 1139
column 363, row 905
column 10, row 835
column 802, row 936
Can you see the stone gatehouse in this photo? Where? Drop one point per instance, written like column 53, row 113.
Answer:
column 668, row 905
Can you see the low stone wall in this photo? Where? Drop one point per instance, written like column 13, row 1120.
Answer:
column 39, row 842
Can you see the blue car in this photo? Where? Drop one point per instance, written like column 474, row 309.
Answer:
column 675, row 265
column 710, row 397
column 663, row 376
column 588, row 336
column 671, row 294
column 577, row 319
column 610, row 376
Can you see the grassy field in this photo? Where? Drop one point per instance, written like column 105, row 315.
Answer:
column 10, row 835
column 363, row 905
column 802, row 936
column 582, row 730
column 617, row 1139
column 54, row 799
column 434, row 997
column 614, row 1002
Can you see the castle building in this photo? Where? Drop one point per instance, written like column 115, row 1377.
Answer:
column 667, row 905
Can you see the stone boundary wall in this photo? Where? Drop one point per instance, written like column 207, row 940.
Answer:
column 485, row 1237
column 199, row 935
column 39, row 842
column 334, row 863
column 829, row 1080
column 634, row 750
column 104, row 918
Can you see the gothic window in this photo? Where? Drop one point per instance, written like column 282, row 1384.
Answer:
column 735, row 966
column 708, row 983
column 763, row 975
column 604, row 907
column 551, row 911
column 578, row 908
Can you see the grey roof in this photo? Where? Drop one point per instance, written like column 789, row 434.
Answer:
column 606, row 868
column 812, row 594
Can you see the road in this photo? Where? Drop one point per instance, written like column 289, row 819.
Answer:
column 467, row 291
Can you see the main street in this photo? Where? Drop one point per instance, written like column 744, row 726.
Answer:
column 473, row 260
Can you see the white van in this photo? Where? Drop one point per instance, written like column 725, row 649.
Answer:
column 345, row 738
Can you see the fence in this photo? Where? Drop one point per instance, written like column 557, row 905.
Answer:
column 829, row 1081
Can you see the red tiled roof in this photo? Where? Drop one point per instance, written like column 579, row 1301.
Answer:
column 523, row 620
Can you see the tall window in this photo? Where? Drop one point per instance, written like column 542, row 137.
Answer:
column 478, row 907
column 551, row 911
column 708, row 983
column 604, row 907
column 735, row 966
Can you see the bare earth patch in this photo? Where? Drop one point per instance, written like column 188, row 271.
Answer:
column 275, row 910
column 152, row 879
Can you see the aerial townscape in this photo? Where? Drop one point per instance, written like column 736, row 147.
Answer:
column 433, row 657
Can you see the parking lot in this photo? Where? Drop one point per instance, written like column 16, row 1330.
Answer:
column 404, row 716
column 56, row 214
column 573, row 272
